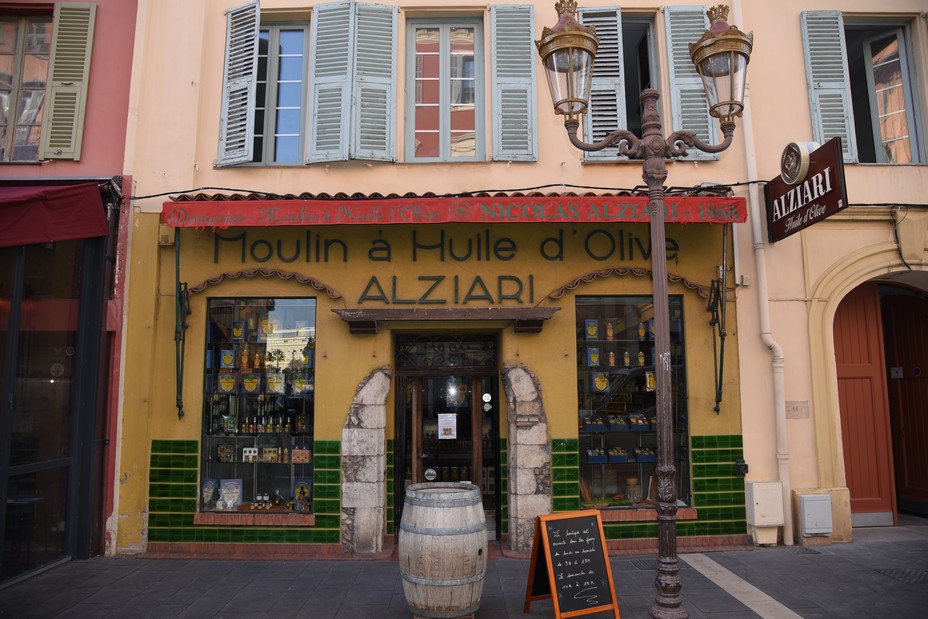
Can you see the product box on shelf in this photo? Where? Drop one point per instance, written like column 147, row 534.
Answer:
column 301, row 455
column 617, row 423
column 596, row 456
column 617, row 455
column 645, row 454
column 594, row 425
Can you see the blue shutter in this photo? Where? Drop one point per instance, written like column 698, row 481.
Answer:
column 689, row 106
column 607, row 92
column 373, row 100
column 331, row 64
column 237, row 116
column 829, row 84
column 513, row 83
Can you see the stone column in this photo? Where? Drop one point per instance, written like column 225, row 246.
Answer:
column 529, row 455
column 364, row 465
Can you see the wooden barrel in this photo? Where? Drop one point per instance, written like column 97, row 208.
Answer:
column 443, row 549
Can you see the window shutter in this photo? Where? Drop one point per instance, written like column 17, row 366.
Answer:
column 237, row 117
column 373, row 122
column 689, row 107
column 332, row 42
column 827, row 74
column 513, row 79
column 607, row 92
column 69, row 72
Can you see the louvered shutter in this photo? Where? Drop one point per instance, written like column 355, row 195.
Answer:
column 332, row 42
column 827, row 74
column 239, row 78
column 689, row 106
column 372, row 126
column 607, row 92
column 513, row 79
column 69, row 72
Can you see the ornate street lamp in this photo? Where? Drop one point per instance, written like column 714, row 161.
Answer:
column 721, row 56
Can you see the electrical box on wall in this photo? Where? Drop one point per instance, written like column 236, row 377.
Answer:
column 765, row 503
column 815, row 512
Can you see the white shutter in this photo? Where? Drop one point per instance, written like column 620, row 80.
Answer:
column 332, row 43
column 69, row 72
column 607, row 92
column 827, row 74
column 237, row 117
column 689, row 107
column 513, row 79
column 372, row 126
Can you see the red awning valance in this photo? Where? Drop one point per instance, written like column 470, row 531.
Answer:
column 45, row 214
column 442, row 210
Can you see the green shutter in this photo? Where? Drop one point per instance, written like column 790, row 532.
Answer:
column 689, row 106
column 513, row 82
column 607, row 91
column 237, row 117
column 829, row 84
column 374, row 102
column 69, row 72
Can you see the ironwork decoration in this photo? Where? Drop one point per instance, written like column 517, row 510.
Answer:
column 461, row 351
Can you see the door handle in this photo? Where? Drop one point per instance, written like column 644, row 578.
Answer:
column 424, row 456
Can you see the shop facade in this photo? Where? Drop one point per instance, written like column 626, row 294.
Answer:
column 63, row 244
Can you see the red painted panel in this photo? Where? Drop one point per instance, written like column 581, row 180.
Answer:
column 907, row 350
column 862, row 400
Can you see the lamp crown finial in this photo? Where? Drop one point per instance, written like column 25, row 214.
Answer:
column 718, row 13
column 565, row 7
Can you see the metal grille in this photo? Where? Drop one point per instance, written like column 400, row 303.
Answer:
column 645, row 564
column 907, row 576
column 446, row 351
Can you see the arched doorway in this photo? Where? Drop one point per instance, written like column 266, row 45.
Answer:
column 881, row 358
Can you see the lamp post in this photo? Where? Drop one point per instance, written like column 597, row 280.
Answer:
column 721, row 56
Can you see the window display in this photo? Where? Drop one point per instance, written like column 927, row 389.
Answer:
column 616, row 391
column 258, row 405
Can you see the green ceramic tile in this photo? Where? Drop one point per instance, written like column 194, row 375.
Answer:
column 325, row 491
column 179, row 476
column 330, row 448
column 719, row 441
column 565, row 459
column 172, row 505
column 565, row 474
column 705, row 456
column 714, row 499
column 326, row 506
column 390, row 528
column 175, row 447
column 162, row 461
column 391, row 485
column 722, row 513
column 560, row 445
column 327, row 476
column 503, row 443
column 328, row 522
column 724, row 484
column 714, row 470
column 327, row 462
column 565, row 489
column 390, row 514
column 566, row 504
column 390, row 460
column 172, row 491
column 391, row 498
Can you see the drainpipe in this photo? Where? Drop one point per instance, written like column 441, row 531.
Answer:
column 763, row 309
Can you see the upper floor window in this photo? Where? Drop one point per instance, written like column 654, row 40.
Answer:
column 447, row 87
column 625, row 65
column 346, row 74
column 280, row 97
column 24, row 47
column 862, row 88
column 44, row 69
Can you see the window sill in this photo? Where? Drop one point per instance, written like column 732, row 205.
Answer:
column 254, row 519
column 644, row 514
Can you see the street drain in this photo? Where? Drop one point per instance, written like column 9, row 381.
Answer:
column 799, row 550
column 645, row 564
column 909, row 577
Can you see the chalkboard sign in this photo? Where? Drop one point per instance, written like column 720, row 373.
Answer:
column 574, row 571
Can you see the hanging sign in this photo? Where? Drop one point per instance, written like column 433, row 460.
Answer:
column 570, row 565
column 469, row 209
column 810, row 188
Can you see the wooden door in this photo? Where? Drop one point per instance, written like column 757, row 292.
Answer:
column 906, row 341
column 863, row 402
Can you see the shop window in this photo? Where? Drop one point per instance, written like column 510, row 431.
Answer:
column 626, row 65
column 616, row 392
column 862, row 87
column 446, row 78
column 44, row 70
column 280, row 99
column 259, row 404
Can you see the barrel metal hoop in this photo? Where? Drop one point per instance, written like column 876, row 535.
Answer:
column 443, row 582
column 443, row 614
column 474, row 528
column 464, row 502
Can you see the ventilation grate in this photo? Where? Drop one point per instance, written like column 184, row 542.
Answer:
column 799, row 550
column 645, row 564
column 907, row 576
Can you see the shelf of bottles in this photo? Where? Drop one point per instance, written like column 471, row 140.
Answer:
column 616, row 387
column 259, row 405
